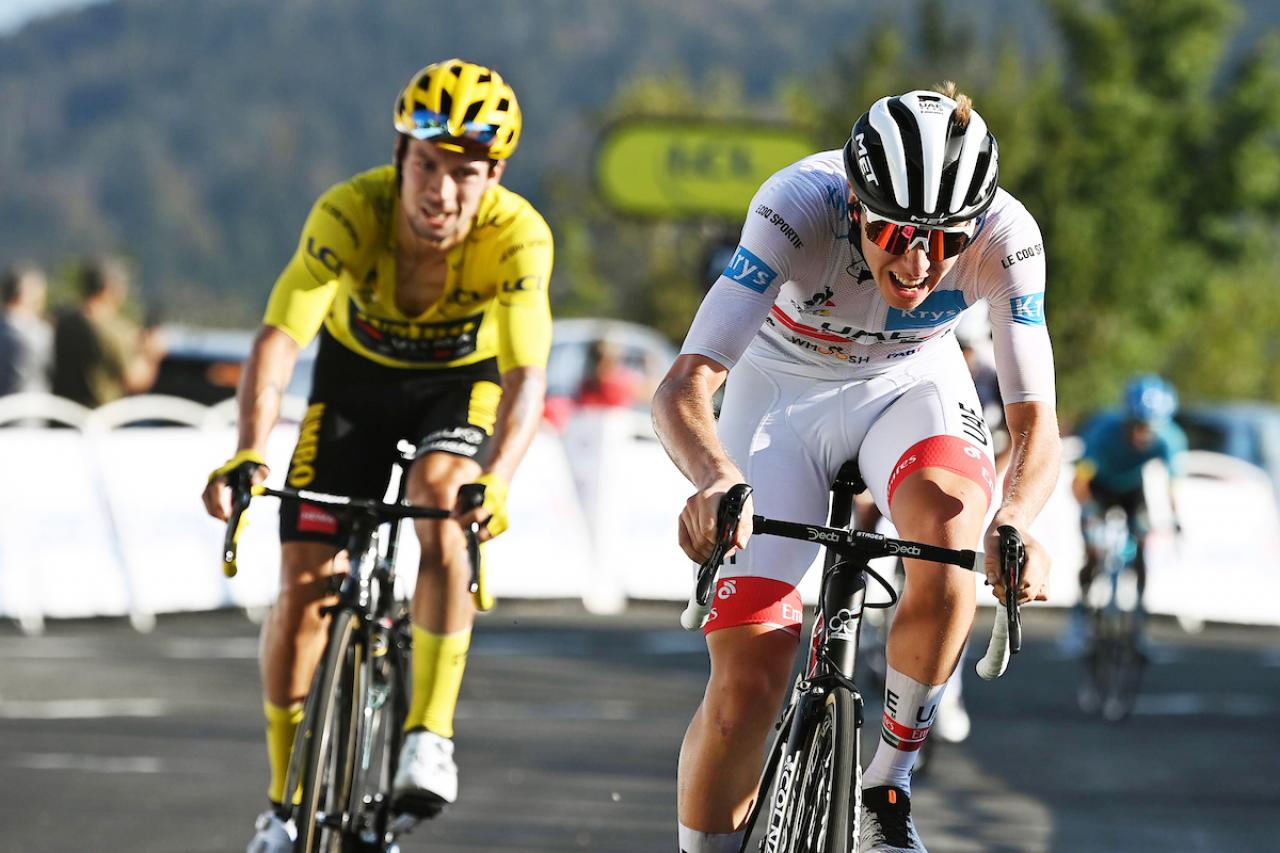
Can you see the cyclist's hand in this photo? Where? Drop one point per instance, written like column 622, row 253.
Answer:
column 217, row 494
column 1034, row 584
column 491, row 515
column 698, row 521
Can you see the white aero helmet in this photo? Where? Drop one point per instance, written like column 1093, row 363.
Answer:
column 914, row 159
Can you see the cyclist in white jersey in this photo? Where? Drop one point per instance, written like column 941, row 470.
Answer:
column 833, row 323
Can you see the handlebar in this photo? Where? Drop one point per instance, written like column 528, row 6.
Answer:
column 1006, row 634
column 859, row 544
column 243, row 491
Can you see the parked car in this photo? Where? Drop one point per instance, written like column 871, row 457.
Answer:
column 1246, row 430
column 204, row 364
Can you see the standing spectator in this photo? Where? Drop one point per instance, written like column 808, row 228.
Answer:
column 26, row 340
column 607, row 380
column 99, row 354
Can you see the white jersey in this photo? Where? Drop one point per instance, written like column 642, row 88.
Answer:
column 800, row 296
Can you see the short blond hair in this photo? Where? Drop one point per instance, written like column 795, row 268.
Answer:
column 964, row 104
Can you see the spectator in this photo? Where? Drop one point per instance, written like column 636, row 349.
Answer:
column 99, row 354
column 608, row 381
column 26, row 340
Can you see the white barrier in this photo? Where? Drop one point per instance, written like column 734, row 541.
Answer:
column 98, row 520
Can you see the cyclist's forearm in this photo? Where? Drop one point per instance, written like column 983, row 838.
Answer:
column 684, row 420
column 524, row 393
column 1034, row 465
column 262, row 386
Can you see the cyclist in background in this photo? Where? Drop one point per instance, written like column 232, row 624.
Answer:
column 1117, row 446
column 426, row 281
column 833, row 322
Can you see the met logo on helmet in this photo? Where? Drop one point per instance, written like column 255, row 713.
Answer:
column 864, row 161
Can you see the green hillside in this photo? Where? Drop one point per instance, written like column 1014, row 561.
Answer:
column 194, row 134
column 1143, row 134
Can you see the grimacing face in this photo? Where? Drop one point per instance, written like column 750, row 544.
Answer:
column 440, row 190
column 906, row 280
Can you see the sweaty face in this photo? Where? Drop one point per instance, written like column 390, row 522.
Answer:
column 905, row 280
column 440, row 190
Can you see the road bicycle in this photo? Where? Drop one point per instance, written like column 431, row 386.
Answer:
column 810, row 792
column 348, row 744
column 1113, row 658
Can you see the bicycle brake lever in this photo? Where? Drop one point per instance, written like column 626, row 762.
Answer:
column 1012, row 557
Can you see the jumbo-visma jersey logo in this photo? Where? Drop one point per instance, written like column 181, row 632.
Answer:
column 415, row 343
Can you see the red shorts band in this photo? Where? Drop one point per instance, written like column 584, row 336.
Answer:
column 755, row 601
column 946, row 451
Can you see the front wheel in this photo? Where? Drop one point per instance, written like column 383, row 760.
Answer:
column 322, row 816
column 813, row 804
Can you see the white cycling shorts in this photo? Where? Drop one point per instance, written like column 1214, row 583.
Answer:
column 791, row 433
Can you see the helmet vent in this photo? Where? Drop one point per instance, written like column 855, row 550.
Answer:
column 446, row 103
column 911, row 149
column 472, row 112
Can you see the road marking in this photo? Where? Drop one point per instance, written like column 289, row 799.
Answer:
column 605, row 710
column 82, row 709
column 57, row 648
column 89, row 763
column 1196, row 704
column 212, row 648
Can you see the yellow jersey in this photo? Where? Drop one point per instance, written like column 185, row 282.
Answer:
column 343, row 276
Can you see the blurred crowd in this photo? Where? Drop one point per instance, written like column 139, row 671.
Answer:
column 90, row 351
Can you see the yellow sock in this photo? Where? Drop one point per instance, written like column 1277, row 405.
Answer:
column 282, row 725
column 438, row 664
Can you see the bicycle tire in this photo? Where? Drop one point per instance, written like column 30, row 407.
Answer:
column 816, row 795
column 380, row 734
column 329, row 766
column 1125, row 669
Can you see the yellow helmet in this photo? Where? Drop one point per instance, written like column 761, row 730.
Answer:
column 464, row 107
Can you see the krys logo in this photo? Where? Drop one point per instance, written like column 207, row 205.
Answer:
column 941, row 306
column 749, row 271
column 1028, row 310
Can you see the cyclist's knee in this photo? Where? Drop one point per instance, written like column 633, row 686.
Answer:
column 937, row 593
column 434, row 479
column 740, row 699
column 939, row 506
column 750, row 672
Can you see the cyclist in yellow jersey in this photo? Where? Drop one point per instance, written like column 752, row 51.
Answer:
column 426, row 282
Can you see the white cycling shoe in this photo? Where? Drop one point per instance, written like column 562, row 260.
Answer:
column 427, row 779
column 272, row 835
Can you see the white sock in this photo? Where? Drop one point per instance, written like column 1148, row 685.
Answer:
column 909, row 711
column 693, row 841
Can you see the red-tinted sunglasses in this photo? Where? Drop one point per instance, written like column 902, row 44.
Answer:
column 898, row 238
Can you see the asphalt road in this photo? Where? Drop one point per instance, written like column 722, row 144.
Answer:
column 568, row 731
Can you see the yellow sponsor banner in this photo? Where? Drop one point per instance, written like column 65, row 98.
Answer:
column 676, row 168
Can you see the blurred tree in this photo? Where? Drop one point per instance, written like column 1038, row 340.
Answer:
column 647, row 272
column 1151, row 165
